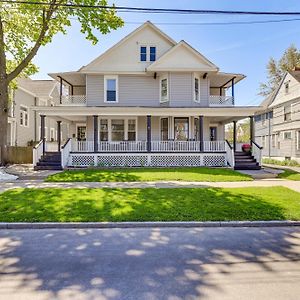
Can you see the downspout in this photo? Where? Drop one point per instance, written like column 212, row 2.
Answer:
column 35, row 121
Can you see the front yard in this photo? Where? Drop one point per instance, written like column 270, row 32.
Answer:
column 150, row 204
column 290, row 175
column 149, row 174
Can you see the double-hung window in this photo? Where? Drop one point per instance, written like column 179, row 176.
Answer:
column 111, row 89
column 24, row 116
column 131, row 130
column 152, row 53
column 287, row 112
column 164, row 129
column 287, row 135
column 117, row 130
column 164, row 95
column 104, row 130
column 196, row 90
column 143, row 53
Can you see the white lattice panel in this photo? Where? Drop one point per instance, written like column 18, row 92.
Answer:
column 175, row 161
column 82, row 160
column 121, row 161
column 214, row 161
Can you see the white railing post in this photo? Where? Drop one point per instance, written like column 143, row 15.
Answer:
column 37, row 152
column 229, row 154
column 256, row 152
column 65, row 152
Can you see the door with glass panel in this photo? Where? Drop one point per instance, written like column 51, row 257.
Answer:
column 181, row 129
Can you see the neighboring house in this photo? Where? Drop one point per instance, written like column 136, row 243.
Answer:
column 277, row 127
column 148, row 100
column 23, row 123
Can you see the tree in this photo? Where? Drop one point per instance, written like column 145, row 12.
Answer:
column 24, row 28
column 242, row 132
column 289, row 60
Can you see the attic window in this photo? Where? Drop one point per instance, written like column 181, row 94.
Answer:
column 143, row 53
column 286, row 87
column 152, row 53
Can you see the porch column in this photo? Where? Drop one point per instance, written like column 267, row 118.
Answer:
column 232, row 90
column 58, row 135
column 95, row 133
column 60, row 89
column 234, row 135
column 201, row 133
column 148, row 133
column 251, row 130
column 43, row 133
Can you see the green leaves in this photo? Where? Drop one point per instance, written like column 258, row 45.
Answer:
column 276, row 69
column 28, row 27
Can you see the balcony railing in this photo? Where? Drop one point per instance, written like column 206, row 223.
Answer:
column 74, row 100
column 221, row 100
column 156, row 146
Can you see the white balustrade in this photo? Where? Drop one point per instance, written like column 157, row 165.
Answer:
column 257, row 152
column 74, row 100
column 229, row 154
column 214, row 146
column 65, row 152
column 175, row 146
column 221, row 100
column 37, row 152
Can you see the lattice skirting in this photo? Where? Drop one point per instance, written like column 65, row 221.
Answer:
column 147, row 160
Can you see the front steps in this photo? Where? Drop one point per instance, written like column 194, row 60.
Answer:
column 245, row 161
column 49, row 161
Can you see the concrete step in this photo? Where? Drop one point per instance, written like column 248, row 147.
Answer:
column 48, row 163
column 247, row 167
column 37, row 168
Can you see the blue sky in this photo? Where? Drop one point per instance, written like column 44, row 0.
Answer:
column 242, row 49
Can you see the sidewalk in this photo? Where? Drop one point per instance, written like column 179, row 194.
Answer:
column 294, row 185
column 296, row 169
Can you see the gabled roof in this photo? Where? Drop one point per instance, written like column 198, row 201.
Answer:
column 190, row 59
column 40, row 88
column 122, row 41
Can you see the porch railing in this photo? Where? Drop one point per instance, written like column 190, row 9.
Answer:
column 37, row 152
column 156, row 146
column 74, row 100
column 221, row 100
column 229, row 154
column 65, row 152
column 257, row 152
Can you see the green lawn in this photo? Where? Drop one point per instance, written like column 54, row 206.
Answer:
column 150, row 204
column 149, row 174
column 290, row 175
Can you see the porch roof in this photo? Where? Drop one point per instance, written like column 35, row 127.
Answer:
column 219, row 113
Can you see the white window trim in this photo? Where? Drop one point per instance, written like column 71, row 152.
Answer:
column 81, row 125
column 147, row 52
column 23, row 113
column 116, row 77
column 160, row 81
column 125, row 127
column 298, row 140
column 194, row 92
column 287, row 131
column 169, row 127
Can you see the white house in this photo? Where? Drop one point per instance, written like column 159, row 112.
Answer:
column 147, row 101
column 277, row 126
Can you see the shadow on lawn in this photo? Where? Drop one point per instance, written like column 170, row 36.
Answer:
column 144, row 263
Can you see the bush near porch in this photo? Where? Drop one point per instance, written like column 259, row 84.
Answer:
column 149, row 204
column 149, row 174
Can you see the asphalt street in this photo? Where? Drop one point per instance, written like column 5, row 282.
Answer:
column 166, row 263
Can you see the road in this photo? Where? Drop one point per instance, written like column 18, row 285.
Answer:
column 169, row 263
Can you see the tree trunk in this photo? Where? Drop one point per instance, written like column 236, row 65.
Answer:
column 3, row 121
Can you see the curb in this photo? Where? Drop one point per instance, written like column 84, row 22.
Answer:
column 103, row 225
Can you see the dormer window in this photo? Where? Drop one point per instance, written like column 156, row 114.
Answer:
column 152, row 53
column 143, row 53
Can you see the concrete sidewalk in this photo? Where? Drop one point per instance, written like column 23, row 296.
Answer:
column 294, row 185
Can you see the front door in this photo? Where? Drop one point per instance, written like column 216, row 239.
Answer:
column 81, row 133
column 181, row 129
column 213, row 133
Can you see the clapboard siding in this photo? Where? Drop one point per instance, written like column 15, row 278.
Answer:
column 138, row 90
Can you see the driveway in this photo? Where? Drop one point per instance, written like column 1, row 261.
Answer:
column 170, row 263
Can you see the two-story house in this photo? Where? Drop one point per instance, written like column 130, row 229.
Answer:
column 147, row 101
column 277, row 127
column 24, row 126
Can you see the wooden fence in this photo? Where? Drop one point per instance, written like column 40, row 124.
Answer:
column 19, row 155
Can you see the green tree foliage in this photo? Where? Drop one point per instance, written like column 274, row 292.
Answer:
column 24, row 28
column 276, row 69
column 242, row 132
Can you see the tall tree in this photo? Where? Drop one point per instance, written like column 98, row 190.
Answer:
column 25, row 27
column 276, row 69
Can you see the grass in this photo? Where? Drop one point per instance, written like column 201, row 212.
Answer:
column 150, row 204
column 286, row 162
column 148, row 174
column 290, row 175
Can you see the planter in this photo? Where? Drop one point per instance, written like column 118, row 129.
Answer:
column 246, row 148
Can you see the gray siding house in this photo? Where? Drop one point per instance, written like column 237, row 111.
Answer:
column 277, row 126
column 147, row 101
column 23, row 123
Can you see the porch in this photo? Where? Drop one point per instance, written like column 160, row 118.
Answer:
column 111, row 139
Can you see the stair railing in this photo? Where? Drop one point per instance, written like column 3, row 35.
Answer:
column 256, row 152
column 65, row 152
column 37, row 152
column 229, row 154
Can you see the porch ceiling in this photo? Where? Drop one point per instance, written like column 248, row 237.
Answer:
column 221, row 79
column 73, row 78
column 219, row 113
